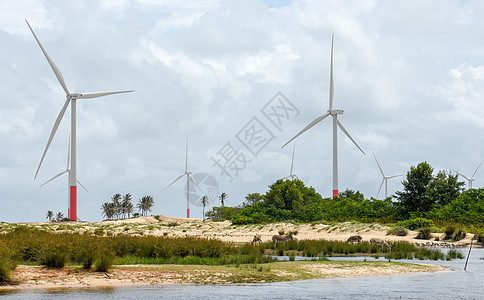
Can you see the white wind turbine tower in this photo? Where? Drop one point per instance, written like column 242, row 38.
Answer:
column 291, row 175
column 336, row 123
column 470, row 179
column 71, row 98
column 385, row 178
column 189, row 178
column 67, row 170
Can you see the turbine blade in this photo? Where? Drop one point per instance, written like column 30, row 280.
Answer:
column 393, row 176
column 378, row 165
column 286, row 177
column 54, row 177
column 54, row 129
column 100, row 94
column 54, row 68
column 82, row 185
column 383, row 181
column 292, row 162
column 476, row 170
column 347, row 134
column 316, row 121
column 193, row 181
column 331, row 79
column 175, row 180
column 461, row 175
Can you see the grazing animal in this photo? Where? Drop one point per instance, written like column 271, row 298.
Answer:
column 281, row 238
column 355, row 239
column 257, row 239
column 381, row 243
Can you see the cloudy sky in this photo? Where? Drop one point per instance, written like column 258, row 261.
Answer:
column 239, row 79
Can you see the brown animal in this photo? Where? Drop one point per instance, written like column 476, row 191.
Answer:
column 355, row 239
column 381, row 243
column 281, row 238
column 257, row 239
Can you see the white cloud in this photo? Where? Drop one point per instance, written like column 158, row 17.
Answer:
column 410, row 84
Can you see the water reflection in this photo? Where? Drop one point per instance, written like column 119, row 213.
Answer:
column 453, row 284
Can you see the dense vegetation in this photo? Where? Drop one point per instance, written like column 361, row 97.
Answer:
column 28, row 245
column 428, row 196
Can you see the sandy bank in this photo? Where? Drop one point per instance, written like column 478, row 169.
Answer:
column 36, row 277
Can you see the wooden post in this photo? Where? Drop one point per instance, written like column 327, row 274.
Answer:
column 469, row 254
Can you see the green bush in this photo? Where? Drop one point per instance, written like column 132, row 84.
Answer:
column 54, row 256
column 415, row 223
column 459, row 234
column 7, row 264
column 104, row 261
column 424, row 234
column 479, row 237
column 449, row 232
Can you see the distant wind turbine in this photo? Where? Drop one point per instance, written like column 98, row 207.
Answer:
column 291, row 175
column 385, row 178
column 470, row 179
column 336, row 123
column 67, row 170
column 71, row 98
column 189, row 178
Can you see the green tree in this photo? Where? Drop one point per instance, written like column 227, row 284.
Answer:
column 116, row 200
column 415, row 197
column 222, row 198
column 127, row 205
column 204, row 201
column 252, row 198
column 444, row 187
column 145, row 204
column 49, row 215
column 108, row 210
column 59, row 217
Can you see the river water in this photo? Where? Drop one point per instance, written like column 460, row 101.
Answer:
column 453, row 284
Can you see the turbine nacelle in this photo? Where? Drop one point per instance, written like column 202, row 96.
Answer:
column 336, row 112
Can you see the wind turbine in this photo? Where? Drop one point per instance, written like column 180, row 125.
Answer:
column 385, row 178
column 67, row 170
column 470, row 179
column 336, row 123
column 189, row 178
column 71, row 98
column 292, row 176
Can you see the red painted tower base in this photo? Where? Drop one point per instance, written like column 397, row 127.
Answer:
column 188, row 213
column 335, row 193
column 73, row 204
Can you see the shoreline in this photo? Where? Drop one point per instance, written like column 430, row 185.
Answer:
column 36, row 278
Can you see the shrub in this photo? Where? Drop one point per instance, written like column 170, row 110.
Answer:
column 449, row 232
column 459, row 234
column 7, row 264
column 104, row 261
column 281, row 232
column 415, row 223
column 242, row 220
column 398, row 231
column 54, row 256
column 424, row 234
column 479, row 237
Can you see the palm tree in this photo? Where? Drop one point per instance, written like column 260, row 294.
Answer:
column 126, row 204
column 50, row 215
column 222, row 198
column 145, row 204
column 108, row 210
column 59, row 216
column 204, row 202
column 116, row 199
